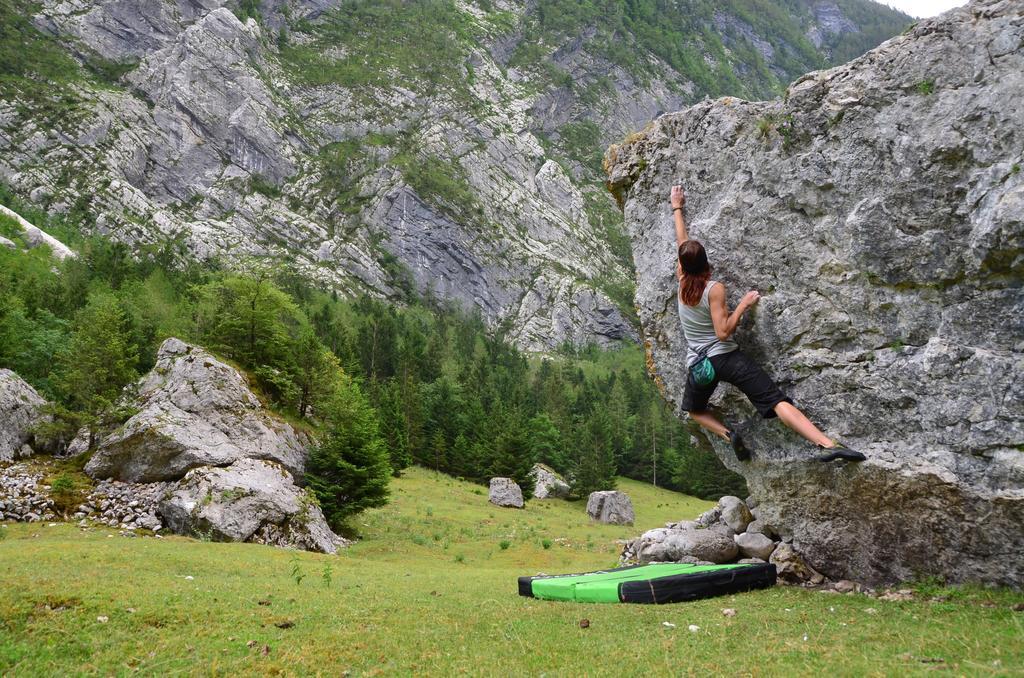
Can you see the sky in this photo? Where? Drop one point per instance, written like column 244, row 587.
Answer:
column 924, row 8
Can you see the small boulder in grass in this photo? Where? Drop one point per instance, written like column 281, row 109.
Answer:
column 610, row 507
column 505, row 492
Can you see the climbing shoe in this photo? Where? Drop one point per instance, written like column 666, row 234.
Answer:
column 840, row 451
column 739, row 446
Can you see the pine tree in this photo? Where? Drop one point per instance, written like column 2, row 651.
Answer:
column 393, row 425
column 349, row 471
column 98, row 362
column 545, row 442
column 316, row 372
column 513, row 458
column 595, row 469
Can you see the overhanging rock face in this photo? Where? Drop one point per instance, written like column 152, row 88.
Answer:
column 878, row 209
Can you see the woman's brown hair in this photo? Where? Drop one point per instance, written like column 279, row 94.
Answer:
column 696, row 272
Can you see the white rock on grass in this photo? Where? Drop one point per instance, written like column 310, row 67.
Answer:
column 611, row 507
column 505, row 492
column 548, row 483
column 250, row 500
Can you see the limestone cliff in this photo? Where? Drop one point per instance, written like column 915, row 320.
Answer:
column 449, row 146
column 877, row 208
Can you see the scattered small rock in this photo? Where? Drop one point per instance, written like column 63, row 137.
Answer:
column 584, row 623
column 286, row 624
column 844, row 586
column 103, row 619
column 693, row 628
column 729, row 612
column 668, row 625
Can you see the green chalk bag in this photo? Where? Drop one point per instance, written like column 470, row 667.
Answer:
column 702, row 372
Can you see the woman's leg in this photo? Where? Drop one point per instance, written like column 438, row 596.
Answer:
column 709, row 421
column 796, row 420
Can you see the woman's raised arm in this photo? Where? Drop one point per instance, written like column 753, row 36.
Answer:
column 678, row 199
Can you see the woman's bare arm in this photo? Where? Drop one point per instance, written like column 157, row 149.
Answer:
column 678, row 200
column 724, row 322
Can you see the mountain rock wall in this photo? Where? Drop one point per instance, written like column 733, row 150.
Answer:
column 279, row 130
column 878, row 210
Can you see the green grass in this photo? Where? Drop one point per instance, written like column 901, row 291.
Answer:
column 431, row 592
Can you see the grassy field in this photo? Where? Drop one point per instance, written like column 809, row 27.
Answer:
column 431, row 589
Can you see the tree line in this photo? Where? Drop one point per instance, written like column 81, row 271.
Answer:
column 385, row 386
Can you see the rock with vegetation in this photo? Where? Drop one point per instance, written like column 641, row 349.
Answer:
column 877, row 210
column 193, row 410
column 20, row 411
column 283, row 129
column 610, row 507
column 549, row 483
column 249, row 500
column 505, row 492
column 31, row 235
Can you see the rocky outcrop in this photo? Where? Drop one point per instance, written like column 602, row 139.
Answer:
column 877, row 209
column 193, row 411
column 19, row 412
column 34, row 236
column 203, row 457
column 548, row 484
column 505, row 492
column 610, row 507
column 250, row 500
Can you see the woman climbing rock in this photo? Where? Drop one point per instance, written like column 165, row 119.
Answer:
column 713, row 356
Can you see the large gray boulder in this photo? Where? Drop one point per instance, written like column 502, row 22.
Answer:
column 611, row 507
column 193, row 410
column 19, row 411
column 505, row 492
column 675, row 545
column 250, row 500
column 877, row 209
column 548, row 484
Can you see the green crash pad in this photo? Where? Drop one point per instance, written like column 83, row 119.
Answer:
column 652, row 583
